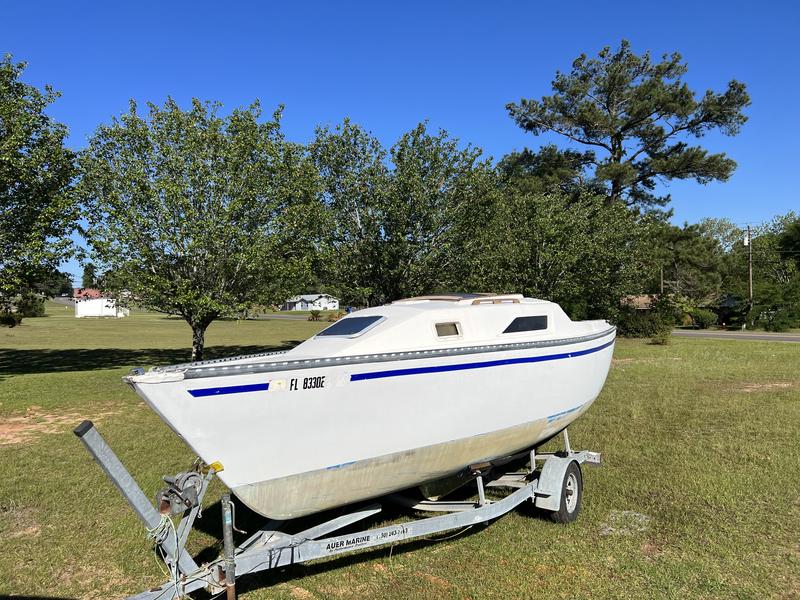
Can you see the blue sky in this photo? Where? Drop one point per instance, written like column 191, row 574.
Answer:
column 390, row 65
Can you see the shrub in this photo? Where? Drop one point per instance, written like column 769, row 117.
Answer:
column 314, row 316
column 662, row 337
column 642, row 323
column 702, row 318
column 776, row 320
column 30, row 305
column 9, row 319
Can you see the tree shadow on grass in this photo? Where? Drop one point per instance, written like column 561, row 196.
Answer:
column 41, row 360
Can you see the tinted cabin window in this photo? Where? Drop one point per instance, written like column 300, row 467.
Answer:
column 447, row 329
column 350, row 326
column 527, row 324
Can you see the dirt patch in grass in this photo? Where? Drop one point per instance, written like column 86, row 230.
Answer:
column 28, row 427
column 436, row 581
column 749, row 388
column 18, row 521
column 301, row 594
column 97, row 582
column 651, row 550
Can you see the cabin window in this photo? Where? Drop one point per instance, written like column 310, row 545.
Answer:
column 351, row 326
column 527, row 324
column 447, row 329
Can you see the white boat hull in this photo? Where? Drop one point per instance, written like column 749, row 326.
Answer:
column 376, row 427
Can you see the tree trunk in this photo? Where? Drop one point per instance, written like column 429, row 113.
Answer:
column 616, row 192
column 198, row 340
column 617, row 153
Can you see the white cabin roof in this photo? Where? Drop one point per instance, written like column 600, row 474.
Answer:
column 411, row 324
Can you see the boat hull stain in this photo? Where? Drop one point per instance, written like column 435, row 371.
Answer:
column 289, row 497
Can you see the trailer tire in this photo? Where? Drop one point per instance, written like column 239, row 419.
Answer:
column 571, row 495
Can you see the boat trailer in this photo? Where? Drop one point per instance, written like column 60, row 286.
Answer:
column 555, row 488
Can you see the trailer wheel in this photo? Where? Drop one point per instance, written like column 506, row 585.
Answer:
column 571, row 495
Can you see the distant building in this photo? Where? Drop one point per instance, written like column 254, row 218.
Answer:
column 86, row 293
column 99, row 307
column 640, row 301
column 311, row 302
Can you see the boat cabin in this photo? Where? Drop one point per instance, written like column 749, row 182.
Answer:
column 445, row 321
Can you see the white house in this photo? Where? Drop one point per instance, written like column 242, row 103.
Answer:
column 99, row 307
column 311, row 302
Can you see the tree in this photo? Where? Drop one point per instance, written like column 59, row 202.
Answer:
column 53, row 284
column 776, row 277
column 438, row 193
column 37, row 209
column 398, row 220
column 89, row 278
column 691, row 258
column 355, row 180
column 635, row 116
column 724, row 231
column 789, row 243
column 197, row 214
column 574, row 251
column 549, row 169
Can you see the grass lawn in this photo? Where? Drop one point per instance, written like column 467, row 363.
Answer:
column 699, row 495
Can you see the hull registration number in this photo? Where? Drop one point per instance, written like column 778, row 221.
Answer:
column 307, row 383
column 297, row 383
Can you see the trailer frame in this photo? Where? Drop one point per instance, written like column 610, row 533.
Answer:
column 270, row 548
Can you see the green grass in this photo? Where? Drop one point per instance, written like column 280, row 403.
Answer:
column 700, row 436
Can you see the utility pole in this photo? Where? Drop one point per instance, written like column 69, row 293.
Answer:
column 750, row 267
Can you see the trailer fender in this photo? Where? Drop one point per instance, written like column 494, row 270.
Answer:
column 547, row 495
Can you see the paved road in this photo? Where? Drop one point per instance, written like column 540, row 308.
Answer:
column 739, row 335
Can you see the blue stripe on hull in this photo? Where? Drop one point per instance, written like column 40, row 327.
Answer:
column 233, row 389
column 557, row 416
column 475, row 365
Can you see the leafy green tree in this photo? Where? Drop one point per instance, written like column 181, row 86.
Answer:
column 197, row 214
column 37, row 210
column 691, row 260
column 776, row 278
column 89, row 278
column 776, row 304
column 723, row 230
column 53, row 284
column 438, row 192
column 789, row 243
column 634, row 116
column 355, row 182
column 574, row 251
column 398, row 220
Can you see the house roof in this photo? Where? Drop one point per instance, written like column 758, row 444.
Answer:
column 85, row 293
column 640, row 301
